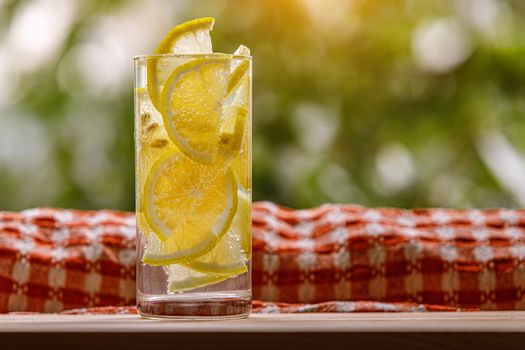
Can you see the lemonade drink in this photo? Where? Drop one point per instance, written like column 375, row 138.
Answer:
column 193, row 177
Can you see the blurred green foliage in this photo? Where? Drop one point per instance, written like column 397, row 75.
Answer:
column 381, row 103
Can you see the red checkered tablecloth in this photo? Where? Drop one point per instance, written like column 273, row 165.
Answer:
column 330, row 258
column 51, row 259
column 458, row 258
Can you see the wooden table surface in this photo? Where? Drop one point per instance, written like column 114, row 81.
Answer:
column 480, row 330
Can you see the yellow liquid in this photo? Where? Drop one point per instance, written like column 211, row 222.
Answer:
column 152, row 143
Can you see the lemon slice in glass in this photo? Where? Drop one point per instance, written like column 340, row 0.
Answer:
column 243, row 222
column 237, row 99
column 192, row 106
column 189, row 207
column 182, row 278
column 232, row 130
column 232, row 251
column 192, row 37
column 239, row 68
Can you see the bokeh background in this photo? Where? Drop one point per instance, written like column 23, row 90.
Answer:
column 377, row 102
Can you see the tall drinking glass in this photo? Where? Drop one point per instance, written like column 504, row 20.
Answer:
column 193, row 185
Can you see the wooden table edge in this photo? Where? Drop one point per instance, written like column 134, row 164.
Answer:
column 439, row 322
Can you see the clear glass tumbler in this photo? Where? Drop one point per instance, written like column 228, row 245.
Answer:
column 193, row 185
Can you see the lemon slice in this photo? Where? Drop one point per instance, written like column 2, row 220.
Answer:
column 232, row 130
column 238, row 99
column 241, row 163
column 181, row 278
column 192, row 37
column 192, row 102
column 239, row 69
column 243, row 222
column 189, row 207
column 235, row 112
column 233, row 250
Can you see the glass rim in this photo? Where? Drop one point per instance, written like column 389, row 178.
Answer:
column 192, row 55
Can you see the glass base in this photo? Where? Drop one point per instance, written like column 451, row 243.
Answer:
column 196, row 306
